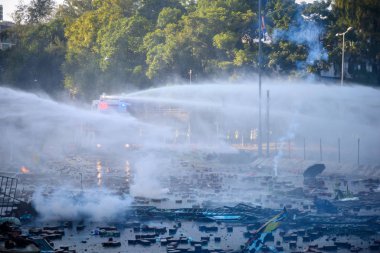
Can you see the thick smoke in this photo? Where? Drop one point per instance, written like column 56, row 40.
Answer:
column 92, row 204
column 147, row 174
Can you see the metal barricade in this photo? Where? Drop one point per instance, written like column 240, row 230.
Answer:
column 8, row 188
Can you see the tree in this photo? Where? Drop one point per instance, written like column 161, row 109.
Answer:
column 73, row 9
column 168, row 15
column 38, row 11
column 363, row 52
column 35, row 61
column 162, row 52
column 286, row 55
column 150, row 9
column 107, row 44
column 95, row 46
column 202, row 40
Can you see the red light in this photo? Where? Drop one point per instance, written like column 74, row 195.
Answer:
column 103, row 106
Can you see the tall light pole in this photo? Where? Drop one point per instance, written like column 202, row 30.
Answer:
column 343, row 44
column 260, row 52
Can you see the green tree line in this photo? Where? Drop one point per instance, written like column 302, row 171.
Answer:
column 87, row 47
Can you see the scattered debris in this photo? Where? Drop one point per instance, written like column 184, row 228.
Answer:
column 314, row 170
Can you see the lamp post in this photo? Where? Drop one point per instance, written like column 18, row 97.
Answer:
column 343, row 34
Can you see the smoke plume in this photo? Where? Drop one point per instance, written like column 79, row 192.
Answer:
column 92, row 204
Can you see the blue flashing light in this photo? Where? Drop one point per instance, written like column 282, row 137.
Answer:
column 123, row 104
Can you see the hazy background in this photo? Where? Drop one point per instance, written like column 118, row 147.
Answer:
column 35, row 127
column 43, row 135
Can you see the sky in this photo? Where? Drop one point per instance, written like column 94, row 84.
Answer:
column 9, row 6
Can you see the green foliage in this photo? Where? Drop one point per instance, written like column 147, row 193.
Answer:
column 95, row 46
column 162, row 48
column 225, row 41
column 35, row 61
column 109, row 44
column 241, row 58
column 70, row 10
column 36, row 12
column 151, row 8
column 287, row 57
column 168, row 16
column 362, row 43
column 282, row 13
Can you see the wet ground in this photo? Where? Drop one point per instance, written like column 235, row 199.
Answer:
column 328, row 213
column 231, row 237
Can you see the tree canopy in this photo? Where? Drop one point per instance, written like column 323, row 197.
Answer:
column 87, row 47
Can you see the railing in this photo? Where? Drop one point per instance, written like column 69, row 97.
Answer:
column 8, row 188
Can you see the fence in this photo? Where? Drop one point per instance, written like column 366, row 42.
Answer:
column 8, row 187
column 350, row 150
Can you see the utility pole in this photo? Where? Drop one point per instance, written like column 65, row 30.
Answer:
column 260, row 52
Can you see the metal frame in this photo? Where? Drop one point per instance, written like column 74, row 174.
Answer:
column 8, row 188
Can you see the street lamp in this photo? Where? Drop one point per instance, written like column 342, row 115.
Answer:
column 343, row 34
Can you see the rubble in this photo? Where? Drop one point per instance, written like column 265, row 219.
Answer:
column 314, row 170
column 204, row 211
